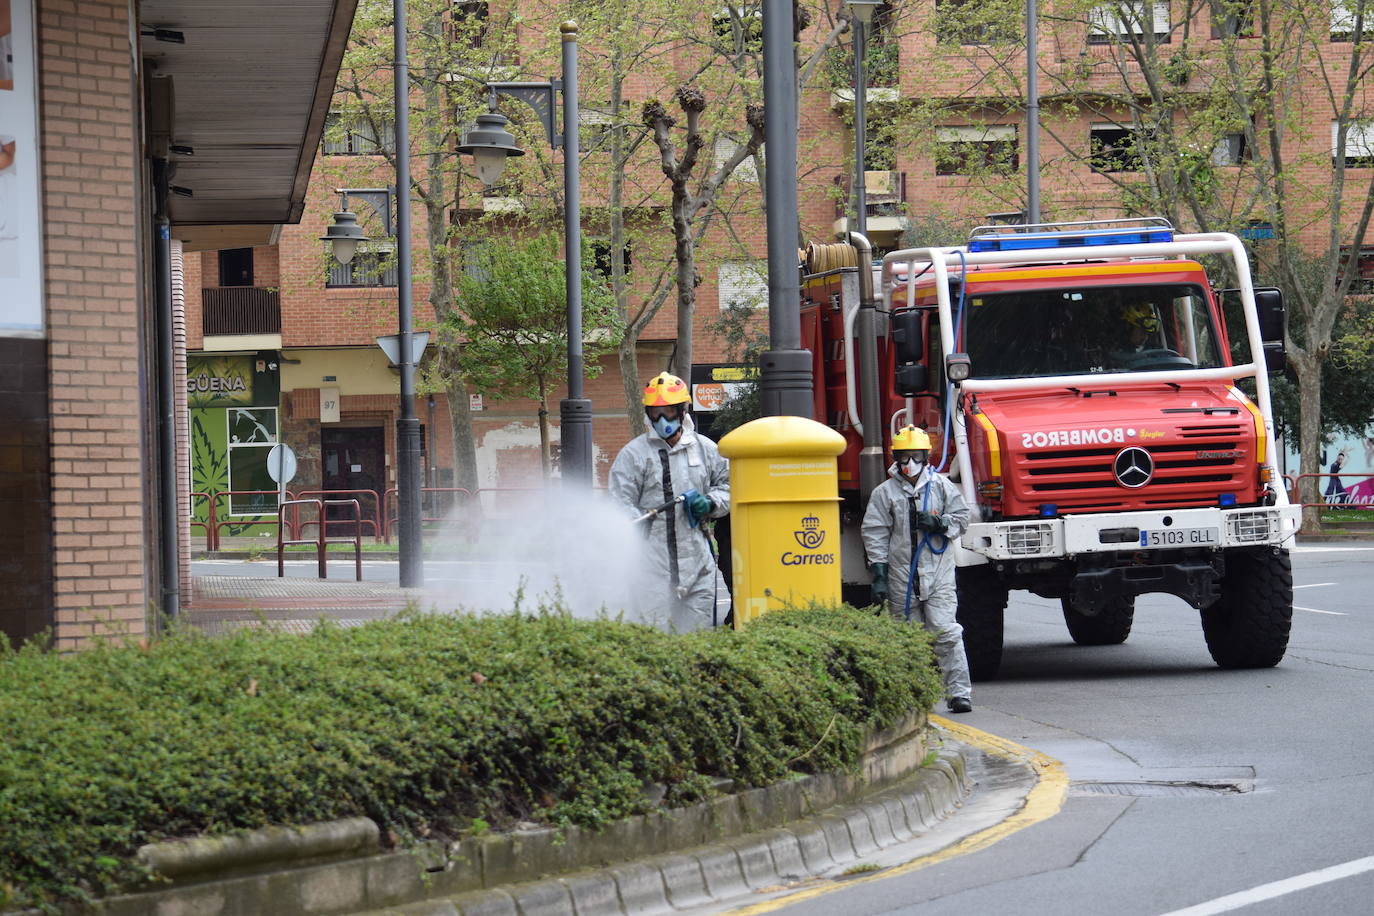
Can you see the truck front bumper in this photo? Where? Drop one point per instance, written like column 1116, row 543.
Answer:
column 1071, row 535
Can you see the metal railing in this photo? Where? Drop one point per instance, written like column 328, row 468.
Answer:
column 211, row 534
column 428, row 514
column 320, row 541
column 884, row 193
column 216, row 523
column 436, row 505
column 361, row 496
column 1295, row 492
column 240, row 310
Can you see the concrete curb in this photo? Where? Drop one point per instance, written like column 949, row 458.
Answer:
column 716, row 872
column 734, row 843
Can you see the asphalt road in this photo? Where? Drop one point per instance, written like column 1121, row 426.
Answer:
column 1189, row 784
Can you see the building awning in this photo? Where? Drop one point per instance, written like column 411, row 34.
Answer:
column 252, row 83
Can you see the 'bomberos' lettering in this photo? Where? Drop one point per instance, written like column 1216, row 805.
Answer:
column 1103, row 436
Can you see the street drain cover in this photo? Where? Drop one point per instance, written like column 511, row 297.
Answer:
column 1161, row 789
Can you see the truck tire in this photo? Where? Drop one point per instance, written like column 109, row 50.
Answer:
column 1248, row 625
column 982, row 602
column 1108, row 627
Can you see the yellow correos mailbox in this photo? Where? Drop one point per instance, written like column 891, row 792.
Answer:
column 784, row 514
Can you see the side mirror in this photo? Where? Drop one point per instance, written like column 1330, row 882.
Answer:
column 907, row 340
column 911, row 380
column 909, row 373
column 1275, row 357
column 1269, row 305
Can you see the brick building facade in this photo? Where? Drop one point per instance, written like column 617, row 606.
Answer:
column 966, row 165
column 92, row 351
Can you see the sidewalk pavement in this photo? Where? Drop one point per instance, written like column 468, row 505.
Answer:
column 221, row 603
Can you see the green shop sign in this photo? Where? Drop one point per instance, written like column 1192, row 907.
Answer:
column 233, row 381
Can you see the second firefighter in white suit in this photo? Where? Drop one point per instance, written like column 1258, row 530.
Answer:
column 919, row 510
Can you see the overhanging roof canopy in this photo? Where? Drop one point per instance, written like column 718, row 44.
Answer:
column 253, row 83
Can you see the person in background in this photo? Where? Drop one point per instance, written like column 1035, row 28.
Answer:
column 1335, row 490
column 674, row 464
column 1140, row 330
column 911, row 518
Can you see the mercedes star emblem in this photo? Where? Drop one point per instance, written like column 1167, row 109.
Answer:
column 1133, row 467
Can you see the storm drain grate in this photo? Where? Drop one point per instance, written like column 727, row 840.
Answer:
column 1160, row 789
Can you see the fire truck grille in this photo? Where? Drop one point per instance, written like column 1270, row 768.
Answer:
column 1213, row 459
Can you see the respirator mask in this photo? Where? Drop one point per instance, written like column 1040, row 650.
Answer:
column 910, row 464
column 667, row 425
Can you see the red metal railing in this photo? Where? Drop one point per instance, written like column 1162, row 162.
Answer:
column 1343, row 503
column 215, row 523
column 211, row 534
column 375, row 527
column 390, row 501
column 320, row 541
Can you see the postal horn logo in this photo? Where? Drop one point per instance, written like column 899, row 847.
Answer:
column 811, row 535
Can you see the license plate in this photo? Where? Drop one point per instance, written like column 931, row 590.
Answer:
column 1179, row 537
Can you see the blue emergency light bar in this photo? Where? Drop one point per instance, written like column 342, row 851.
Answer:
column 1025, row 241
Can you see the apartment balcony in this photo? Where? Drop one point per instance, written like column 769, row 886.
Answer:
column 884, row 210
column 241, row 318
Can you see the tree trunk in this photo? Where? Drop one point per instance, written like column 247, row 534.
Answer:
column 685, row 253
column 627, row 353
column 460, row 419
column 441, row 298
column 1308, row 366
column 628, row 356
column 545, row 452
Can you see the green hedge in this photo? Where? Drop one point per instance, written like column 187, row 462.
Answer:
column 430, row 723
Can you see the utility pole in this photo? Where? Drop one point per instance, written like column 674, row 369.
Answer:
column 785, row 368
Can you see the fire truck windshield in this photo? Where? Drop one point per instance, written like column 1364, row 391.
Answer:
column 1090, row 329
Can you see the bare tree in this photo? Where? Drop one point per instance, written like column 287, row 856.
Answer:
column 691, row 208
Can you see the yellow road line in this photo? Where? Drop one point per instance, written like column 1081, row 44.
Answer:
column 1042, row 802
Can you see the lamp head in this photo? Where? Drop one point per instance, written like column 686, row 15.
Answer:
column 344, row 234
column 489, row 143
column 863, row 10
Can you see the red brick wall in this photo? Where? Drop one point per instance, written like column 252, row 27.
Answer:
column 91, row 214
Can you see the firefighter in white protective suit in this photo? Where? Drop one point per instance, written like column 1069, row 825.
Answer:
column 679, row 472
column 919, row 510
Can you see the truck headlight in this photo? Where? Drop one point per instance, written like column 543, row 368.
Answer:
column 1252, row 527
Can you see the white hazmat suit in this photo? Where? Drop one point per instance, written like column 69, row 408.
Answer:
column 887, row 534
column 683, row 588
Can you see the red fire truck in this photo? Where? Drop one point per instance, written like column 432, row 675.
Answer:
column 1080, row 387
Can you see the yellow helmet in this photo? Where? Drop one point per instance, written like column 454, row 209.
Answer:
column 1143, row 316
column 909, row 439
column 665, row 390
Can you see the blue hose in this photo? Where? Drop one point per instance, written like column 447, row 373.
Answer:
column 925, row 544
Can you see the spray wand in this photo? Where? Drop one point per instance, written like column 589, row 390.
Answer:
column 668, row 505
column 692, row 519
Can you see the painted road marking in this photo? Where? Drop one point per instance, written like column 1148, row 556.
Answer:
column 1312, row 610
column 1278, row 888
column 1303, row 548
column 1314, row 585
column 1042, row 802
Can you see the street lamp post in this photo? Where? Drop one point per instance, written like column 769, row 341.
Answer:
column 1032, row 117
column 862, row 12
column 785, row 368
column 490, row 144
column 345, row 236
